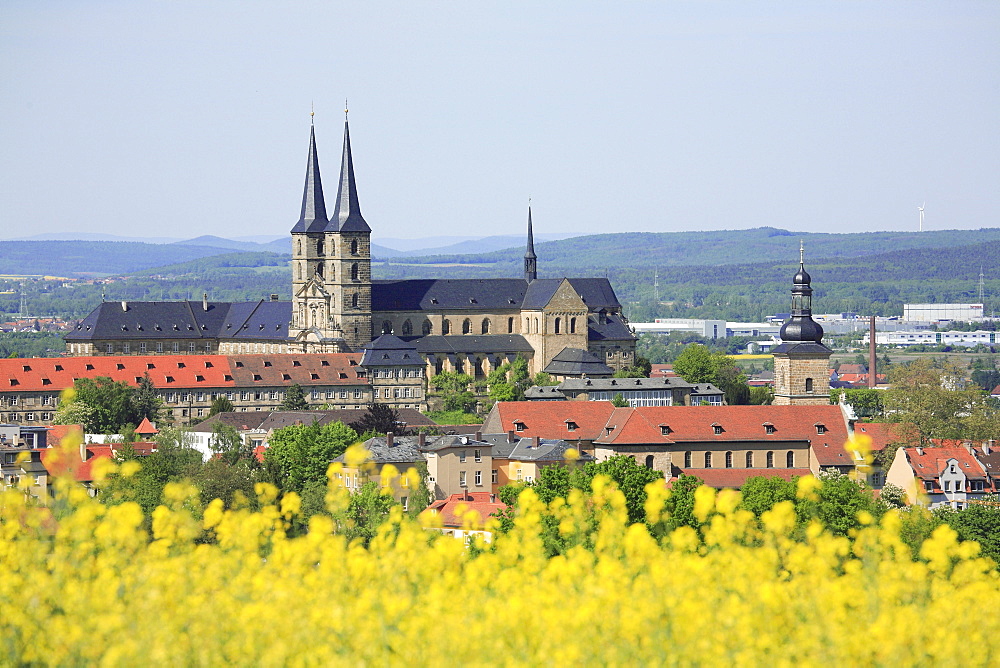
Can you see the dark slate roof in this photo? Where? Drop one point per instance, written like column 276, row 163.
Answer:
column 313, row 216
column 596, row 293
column 549, row 392
column 471, row 294
column 267, row 420
column 598, row 384
column 389, row 350
column 613, row 329
column 705, row 389
column 403, row 451
column 347, row 212
column 473, row 343
column 523, row 449
column 808, row 347
column 576, row 362
column 152, row 320
column 257, row 320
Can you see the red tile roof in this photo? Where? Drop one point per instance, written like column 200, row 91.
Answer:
column 146, row 428
column 931, row 462
column 58, row 432
column 479, row 502
column 721, row 478
column 54, row 374
column 59, row 461
column 550, row 419
column 881, row 433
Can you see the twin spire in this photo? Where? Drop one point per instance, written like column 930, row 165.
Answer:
column 347, row 210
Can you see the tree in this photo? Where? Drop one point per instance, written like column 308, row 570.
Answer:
column 220, row 404
column 454, row 390
column 379, row 419
column 300, row 454
column 618, row 401
column 680, row 505
column 697, row 364
column 761, row 396
column 295, row 399
column 641, row 369
column 761, row 493
column 979, row 522
column 105, row 406
column 366, row 511
column 146, row 403
column 631, row 479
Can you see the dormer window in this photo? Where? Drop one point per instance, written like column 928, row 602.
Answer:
column 717, row 428
column 296, row 363
column 571, row 426
column 768, row 428
column 519, row 426
column 820, row 428
column 239, row 365
column 664, row 430
column 266, row 363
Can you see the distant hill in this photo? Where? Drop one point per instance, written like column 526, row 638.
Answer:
column 665, row 249
column 74, row 258
column 92, row 236
column 219, row 242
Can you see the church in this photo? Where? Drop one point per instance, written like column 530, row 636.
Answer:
column 568, row 327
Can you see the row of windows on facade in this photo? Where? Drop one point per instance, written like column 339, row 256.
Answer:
column 159, row 346
column 399, row 373
column 44, row 400
column 396, row 393
column 708, row 460
column 321, row 247
column 531, row 326
column 946, row 485
column 355, row 273
column 273, row 395
column 17, row 418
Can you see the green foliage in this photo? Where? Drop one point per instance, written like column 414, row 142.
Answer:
column 618, row 401
column 174, row 459
column 295, row 399
column 221, row 404
column 31, row 344
column 543, row 379
column 892, row 496
column 105, row 406
column 761, row 395
column 761, row 493
column 680, row 505
column 454, row 417
column 641, row 369
column 867, row 403
column 300, row 454
column 697, row 364
column 454, row 390
column 366, row 511
column 979, row 522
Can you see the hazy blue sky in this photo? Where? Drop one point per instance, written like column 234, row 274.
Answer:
column 188, row 118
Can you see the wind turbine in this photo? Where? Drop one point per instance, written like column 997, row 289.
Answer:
column 921, row 210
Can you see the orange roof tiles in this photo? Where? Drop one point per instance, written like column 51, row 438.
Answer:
column 931, row 462
column 881, row 433
column 478, row 502
column 552, row 419
column 55, row 374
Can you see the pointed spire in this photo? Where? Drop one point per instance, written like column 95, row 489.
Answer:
column 313, row 216
column 347, row 215
column 530, row 259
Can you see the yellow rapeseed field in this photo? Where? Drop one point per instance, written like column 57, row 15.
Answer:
column 84, row 584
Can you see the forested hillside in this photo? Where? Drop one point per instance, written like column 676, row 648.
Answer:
column 76, row 258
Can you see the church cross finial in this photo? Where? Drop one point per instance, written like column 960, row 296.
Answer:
column 312, row 112
column 345, row 108
column 802, row 253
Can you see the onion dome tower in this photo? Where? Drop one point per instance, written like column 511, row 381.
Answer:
column 801, row 362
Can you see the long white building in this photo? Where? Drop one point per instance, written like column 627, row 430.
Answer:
column 937, row 312
column 925, row 338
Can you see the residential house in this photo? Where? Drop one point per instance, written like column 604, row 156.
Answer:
column 518, row 460
column 664, row 391
column 464, row 515
column 940, row 476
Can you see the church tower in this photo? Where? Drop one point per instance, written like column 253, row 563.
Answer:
column 801, row 362
column 331, row 263
column 530, row 259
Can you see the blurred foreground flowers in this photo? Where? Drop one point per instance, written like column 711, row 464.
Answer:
column 84, row 582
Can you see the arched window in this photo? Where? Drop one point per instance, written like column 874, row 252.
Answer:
column 729, row 460
column 770, row 460
column 510, row 325
column 687, row 460
column 527, row 326
column 299, row 246
column 407, row 327
column 354, row 271
column 572, row 325
column 459, row 365
column 354, row 246
column 479, row 368
column 300, row 271
column 649, row 461
column 319, row 248
column 558, row 324
column 387, row 327
column 466, row 326
column 446, row 326
column 708, row 460
column 749, row 460
column 426, row 328
column 319, row 269
column 790, row 460
column 809, row 384
column 536, row 325
column 485, row 329
column 439, row 366
column 354, row 300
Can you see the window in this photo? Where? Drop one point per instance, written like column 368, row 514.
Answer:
column 977, row 485
column 820, row 429
column 461, row 479
column 749, row 460
column 809, row 384
column 192, row 348
column 558, row 324
column 126, row 348
column 404, row 501
column 354, row 247
column 571, row 426
column 142, row 348
column 519, row 426
column 768, row 428
column 176, row 347
column 445, row 327
column 47, row 401
column 708, row 460
column 929, row 485
column 201, row 412
column 664, row 430
column 426, row 328
column 354, row 271
column 479, row 478
column 466, row 326
column 387, row 327
column 717, row 428
column 770, row 460
column 687, row 460
column 461, row 456
column 510, row 325
column 947, row 483
column 729, row 460
column 109, row 349
column 478, row 454
column 790, row 460
column 495, row 477
column 519, row 474
column 649, row 461
column 407, row 328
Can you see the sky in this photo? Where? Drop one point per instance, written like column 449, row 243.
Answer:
column 178, row 119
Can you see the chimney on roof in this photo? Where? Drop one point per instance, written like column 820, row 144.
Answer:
column 274, row 298
column 204, row 301
column 510, row 436
column 988, row 446
column 536, row 441
column 479, row 435
column 389, row 439
column 920, row 451
column 421, row 439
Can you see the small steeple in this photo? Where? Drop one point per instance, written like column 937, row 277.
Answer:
column 801, row 327
column 313, row 216
column 530, row 259
column 347, row 216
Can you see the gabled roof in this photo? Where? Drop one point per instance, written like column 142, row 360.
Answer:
column 577, row 362
column 480, row 503
column 931, row 462
column 453, row 294
column 389, row 350
column 498, row 344
column 881, row 433
column 146, row 428
column 550, row 419
column 612, row 329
